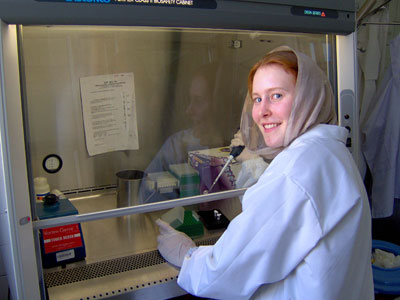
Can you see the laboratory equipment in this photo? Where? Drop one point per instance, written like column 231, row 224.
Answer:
column 188, row 177
column 162, row 182
column 128, row 186
column 234, row 153
column 186, row 221
column 192, row 225
column 45, row 54
column 208, row 163
column 213, row 219
column 60, row 244
column 174, row 217
column 42, row 188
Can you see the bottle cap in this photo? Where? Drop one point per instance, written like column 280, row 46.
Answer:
column 50, row 199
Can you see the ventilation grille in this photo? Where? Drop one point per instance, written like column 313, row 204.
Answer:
column 89, row 189
column 109, row 267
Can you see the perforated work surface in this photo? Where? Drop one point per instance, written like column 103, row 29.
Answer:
column 109, row 267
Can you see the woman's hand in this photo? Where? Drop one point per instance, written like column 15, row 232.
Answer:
column 172, row 244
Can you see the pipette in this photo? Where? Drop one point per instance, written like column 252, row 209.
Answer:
column 234, row 153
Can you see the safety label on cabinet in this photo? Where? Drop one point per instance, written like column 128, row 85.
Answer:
column 62, row 238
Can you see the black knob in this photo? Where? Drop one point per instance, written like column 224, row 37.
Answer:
column 50, row 199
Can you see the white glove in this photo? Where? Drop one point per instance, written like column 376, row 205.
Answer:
column 238, row 141
column 172, row 244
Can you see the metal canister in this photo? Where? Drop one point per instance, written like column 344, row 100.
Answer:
column 128, row 187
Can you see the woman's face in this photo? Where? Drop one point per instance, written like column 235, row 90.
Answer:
column 273, row 95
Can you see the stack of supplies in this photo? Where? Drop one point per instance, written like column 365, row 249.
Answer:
column 186, row 221
column 188, row 178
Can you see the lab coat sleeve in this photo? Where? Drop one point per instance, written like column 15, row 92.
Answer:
column 276, row 230
column 251, row 170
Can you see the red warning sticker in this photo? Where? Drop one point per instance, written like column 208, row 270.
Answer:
column 61, row 238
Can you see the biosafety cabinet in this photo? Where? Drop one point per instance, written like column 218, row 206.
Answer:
column 124, row 110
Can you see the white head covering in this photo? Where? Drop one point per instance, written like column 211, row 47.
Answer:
column 313, row 104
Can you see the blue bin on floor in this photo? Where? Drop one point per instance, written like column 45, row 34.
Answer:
column 386, row 281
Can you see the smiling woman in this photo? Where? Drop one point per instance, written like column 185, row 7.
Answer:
column 305, row 228
column 273, row 94
column 298, row 77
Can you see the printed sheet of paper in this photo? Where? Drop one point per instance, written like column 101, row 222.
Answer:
column 109, row 113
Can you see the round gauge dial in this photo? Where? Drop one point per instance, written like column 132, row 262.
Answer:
column 52, row 163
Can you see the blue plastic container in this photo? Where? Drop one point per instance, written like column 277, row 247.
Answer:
column 61, row 244
column 386, row 281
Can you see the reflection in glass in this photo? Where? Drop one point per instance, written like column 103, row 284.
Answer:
column 189, row 88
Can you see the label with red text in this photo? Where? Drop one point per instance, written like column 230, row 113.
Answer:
column 61, row 238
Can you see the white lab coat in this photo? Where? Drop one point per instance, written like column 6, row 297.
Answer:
column 371, row 60
column 304, row 232
column 382, row 139
column 251, row 170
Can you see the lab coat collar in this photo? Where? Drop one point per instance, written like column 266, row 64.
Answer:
column 324, row 131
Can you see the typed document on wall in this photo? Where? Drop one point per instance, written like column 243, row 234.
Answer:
column 109, row 113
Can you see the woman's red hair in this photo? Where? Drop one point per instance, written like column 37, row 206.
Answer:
column 287, row 59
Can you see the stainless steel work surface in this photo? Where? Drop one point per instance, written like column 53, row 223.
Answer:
column 115, row 237
column 121, row 254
